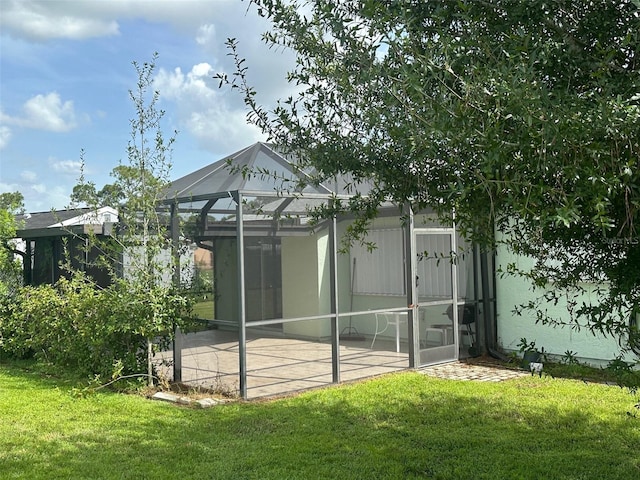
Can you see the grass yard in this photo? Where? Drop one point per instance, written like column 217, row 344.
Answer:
column 203, row 310
column 400, row 426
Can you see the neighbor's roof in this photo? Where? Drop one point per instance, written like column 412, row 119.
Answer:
column 52, row 222
column 31, row 221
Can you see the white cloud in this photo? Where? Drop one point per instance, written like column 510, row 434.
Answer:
column 45, row 112
column 9, row 187
column 69, row 167
column 48, row 112
column 5, row 136
column 175, row 85
column 42, row 198
column 206, row 34
column 204, row 110
column 40, row 194
column 202, row 71
column 40, row 20
column 28, row 176
column 39, row 188
column 58, row 196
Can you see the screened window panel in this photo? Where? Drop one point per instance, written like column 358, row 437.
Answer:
column 434, row 266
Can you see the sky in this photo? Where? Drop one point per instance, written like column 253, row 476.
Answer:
column 66, row 71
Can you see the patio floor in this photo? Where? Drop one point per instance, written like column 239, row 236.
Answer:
column 277, row 365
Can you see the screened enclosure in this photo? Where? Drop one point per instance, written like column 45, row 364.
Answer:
column 287, row 305
column 55, row 238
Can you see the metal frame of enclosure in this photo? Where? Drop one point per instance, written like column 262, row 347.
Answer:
column 275, row 269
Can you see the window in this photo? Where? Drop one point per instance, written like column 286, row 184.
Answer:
column 379, row 271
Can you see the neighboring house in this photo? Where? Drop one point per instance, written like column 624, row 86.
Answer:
column 46, row 235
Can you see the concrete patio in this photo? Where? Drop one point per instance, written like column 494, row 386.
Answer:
column 277, row 365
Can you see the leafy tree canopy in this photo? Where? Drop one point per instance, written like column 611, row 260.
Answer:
column 11, row 204
column 520, row 117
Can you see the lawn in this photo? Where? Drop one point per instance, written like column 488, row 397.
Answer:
column 400, row 426
column 203, row 310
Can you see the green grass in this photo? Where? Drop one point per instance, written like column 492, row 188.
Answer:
column 204, row 310
column 401, row 426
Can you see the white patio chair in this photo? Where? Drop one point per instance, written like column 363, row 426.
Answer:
column 386, row 319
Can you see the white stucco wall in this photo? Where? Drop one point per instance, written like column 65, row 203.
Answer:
column 305, row 284
column 306, row 287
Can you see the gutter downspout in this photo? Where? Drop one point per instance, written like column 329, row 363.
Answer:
column 488, row 309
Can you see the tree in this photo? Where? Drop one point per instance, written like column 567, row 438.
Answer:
column 111, row 331
column 11, row 204
column 144, row 279
column 518, row 117
column 138, row 186
column 111, row 195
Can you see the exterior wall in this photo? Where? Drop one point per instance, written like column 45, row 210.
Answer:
column 511, row 291
column 324, row 274
column 365, row 324
column 306, row 284
column 305, row 287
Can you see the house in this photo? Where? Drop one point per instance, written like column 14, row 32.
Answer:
column 45, row 237
column 414, row 293
column 277, row 272
column 48, row 239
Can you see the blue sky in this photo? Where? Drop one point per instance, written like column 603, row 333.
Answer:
column 66, row 70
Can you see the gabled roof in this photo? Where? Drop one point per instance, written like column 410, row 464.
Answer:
column 256, row 169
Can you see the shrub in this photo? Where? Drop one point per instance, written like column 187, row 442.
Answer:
column 73, row 324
